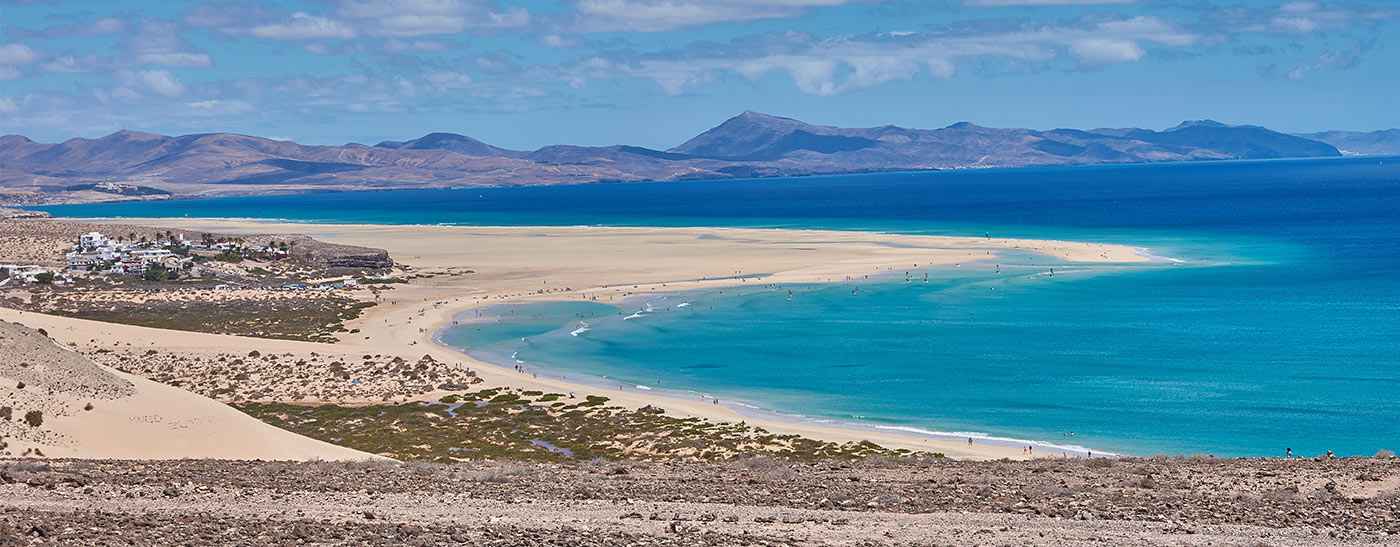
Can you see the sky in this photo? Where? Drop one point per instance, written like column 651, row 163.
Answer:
column 656, row 72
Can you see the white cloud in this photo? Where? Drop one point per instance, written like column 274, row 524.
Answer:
column 557, row 41
column 1302, row 18
column 424, row 17
column 1097, row 52
column 417, row 25
column 75, row 64
column 1148, row 28
column 512, row 17
column 216, row 107
column 447, row 80
column 1295, row 7
column 14, row 54
column 660, row 15
column 8, row 106
column 845, row 63
column 304, row 26
column 1331, row 60
column 187, row 60
column 811, row 75
column 1295, row 25
column 10, row 73
column 399, row 45
column 102, row 27
column 156, row 42
column 159, row 82
column 1007, row 3
column 106, row 26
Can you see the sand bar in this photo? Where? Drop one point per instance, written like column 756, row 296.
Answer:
column 604, row 263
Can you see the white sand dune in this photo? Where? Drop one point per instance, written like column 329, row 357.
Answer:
column 129, row 417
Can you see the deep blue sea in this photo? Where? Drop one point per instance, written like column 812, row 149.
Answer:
column 1278, row 328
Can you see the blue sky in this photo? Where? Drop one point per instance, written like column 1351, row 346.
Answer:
column 655, row 72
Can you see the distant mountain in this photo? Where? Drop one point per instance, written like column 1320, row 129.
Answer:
column 758, row 137
column 1369, row 143
column 749, row 145
column 451, row 142
column 754, row 136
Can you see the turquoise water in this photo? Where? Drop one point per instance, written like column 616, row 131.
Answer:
column 1279, row 328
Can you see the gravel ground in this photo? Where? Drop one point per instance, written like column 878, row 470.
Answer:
column 750, row 502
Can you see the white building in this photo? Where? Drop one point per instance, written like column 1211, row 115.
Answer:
column 147, row 256
column 15, row 270
column 30, row 273
column 92, row 240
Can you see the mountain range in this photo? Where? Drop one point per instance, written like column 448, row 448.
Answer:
column 135, row 165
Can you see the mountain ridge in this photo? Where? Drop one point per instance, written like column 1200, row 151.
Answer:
column 1385, row 142
column 751, row 144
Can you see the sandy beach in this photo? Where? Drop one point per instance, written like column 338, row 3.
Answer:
column 509, row 264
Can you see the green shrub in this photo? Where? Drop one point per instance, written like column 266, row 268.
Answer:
column 228, row 256
column 155, row 273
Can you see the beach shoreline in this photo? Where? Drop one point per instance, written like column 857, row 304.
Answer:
column 748, row 408
column 570, row 263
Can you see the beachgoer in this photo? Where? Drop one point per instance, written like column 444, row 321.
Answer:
column 1288, row 453
column 969, row 441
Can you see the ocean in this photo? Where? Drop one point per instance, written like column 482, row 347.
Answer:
column 1272, row 320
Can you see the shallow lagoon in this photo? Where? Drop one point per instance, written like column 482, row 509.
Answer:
column 1281, row 328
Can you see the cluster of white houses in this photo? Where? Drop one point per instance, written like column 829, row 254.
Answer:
column 95, row 252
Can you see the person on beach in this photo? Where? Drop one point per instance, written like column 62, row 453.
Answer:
column 969, row 441
column 1288, row 453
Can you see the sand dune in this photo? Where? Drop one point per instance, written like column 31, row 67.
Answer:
column 91, row 411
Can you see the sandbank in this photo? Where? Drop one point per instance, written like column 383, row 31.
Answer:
column 563, row 263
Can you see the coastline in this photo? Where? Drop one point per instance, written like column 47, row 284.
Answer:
column 519, row 264
column 747, row 408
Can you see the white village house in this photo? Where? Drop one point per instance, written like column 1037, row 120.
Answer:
column 97, row 251
column 28, row 274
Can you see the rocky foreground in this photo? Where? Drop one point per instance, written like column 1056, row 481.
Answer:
column 756, row 501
